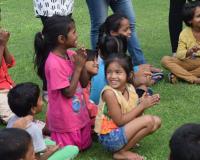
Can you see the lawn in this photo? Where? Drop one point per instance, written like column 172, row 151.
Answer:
column 179, row 103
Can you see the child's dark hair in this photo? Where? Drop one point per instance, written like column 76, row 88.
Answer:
column 123, row 60
column 185, row 143
column 14, row 143
column 23, row 97
column 112, row 23
column 91, row 54
column 189, row 11
column 47, row 40
column 112, row 44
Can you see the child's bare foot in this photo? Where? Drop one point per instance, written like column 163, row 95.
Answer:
column 127, row 155
column 197, row 81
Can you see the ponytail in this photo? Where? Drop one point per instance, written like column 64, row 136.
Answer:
column 40, row 54
column 47, row 40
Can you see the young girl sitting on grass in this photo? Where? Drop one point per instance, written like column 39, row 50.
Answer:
column 67, row 115
column 119, row 123
column 186, row 63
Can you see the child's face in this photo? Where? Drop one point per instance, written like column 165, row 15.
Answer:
column 116, row 76
column 71, row 41
column 196, row 19
column 30, row 155
column 92, row 66
column 124, row 29
column 38, row 108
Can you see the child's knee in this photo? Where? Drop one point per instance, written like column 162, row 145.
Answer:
column 157, row 121
column 149, row 121
column 165, row 60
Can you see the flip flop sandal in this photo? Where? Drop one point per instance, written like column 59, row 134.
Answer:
column 157, row 76
column 172, row 78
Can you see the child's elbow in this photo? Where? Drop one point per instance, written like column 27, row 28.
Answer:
column 66, row 93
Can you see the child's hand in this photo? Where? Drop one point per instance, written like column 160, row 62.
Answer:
column 191, row 51
column 4, row 37
column 52, row 149
column 80, row 58
column 148, row 101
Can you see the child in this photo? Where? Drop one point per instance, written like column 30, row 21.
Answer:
column 184, row 143
column 68, row 118
column 18, row 144
column 118, row 24
column 106, row 46
column 92, row 67
column 119, row 122
column 6, row 83
column 45, row 9
column 24, row 99
column 186, row 64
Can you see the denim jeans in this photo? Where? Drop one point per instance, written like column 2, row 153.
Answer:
column 98, row 10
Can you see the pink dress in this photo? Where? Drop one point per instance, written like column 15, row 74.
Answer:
column 68, row 118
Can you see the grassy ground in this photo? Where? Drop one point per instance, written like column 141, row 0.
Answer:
column 179, row 103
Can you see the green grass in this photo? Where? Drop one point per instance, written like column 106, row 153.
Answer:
column 179, row 103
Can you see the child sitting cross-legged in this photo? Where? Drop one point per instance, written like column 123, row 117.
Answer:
column 24, row 99
column 186, row 63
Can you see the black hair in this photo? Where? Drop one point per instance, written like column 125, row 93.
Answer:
column 91, row 54
column 112, row 23
column 189, row 11
column 14, row 143
column 112, row 44
column 123, row 60
column 185, row 143
column 23, row 97
column 47, row 40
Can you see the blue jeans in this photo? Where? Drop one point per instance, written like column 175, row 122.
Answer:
column 98, row 10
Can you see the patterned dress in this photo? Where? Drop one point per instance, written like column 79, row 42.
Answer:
column 49, row 8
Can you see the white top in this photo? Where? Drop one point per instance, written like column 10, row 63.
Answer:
column 49, row 8
column 35, row 131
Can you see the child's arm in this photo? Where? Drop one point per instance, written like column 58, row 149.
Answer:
column 47, row 153
column 2, row 45
column 4, row 37
column 1, row 52
column 84, row 77
column 79, row 64
column 115, row 110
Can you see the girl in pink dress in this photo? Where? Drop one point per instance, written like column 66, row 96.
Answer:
column 68, row 118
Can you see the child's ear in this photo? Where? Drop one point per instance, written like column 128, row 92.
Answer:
column 33, row 110
column 61, row 39
column 113, row 33
column 131, row 77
